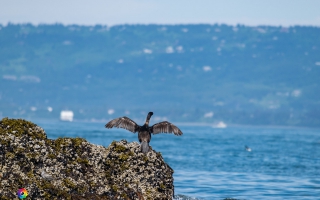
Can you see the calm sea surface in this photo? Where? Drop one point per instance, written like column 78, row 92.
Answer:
column 211, row 163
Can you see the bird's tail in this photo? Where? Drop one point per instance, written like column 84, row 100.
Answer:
column 144, row 147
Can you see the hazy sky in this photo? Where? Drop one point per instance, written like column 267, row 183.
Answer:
column 112, row 12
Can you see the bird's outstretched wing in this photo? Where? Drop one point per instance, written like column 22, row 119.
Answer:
column 165, row 127
column 123, row 122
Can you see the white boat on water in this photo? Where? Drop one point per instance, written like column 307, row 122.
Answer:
column 221, row 124
column 66, row 115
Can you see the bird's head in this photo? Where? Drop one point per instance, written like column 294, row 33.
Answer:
column 148, row 117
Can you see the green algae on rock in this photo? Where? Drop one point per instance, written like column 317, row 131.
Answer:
column 72, row 168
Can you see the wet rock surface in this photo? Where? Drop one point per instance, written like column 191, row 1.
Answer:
column 72, row 168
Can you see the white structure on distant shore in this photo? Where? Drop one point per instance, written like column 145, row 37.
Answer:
column 221, row 124
column 66, row 115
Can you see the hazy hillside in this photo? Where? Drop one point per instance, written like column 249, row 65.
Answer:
column 187, row 73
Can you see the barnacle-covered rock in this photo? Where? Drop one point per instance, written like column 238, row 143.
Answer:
column 72, row 168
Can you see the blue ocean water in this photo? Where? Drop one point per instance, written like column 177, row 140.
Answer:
column 211, row 163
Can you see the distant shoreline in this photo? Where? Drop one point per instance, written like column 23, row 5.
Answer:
column 188, row 124
column 244, row 125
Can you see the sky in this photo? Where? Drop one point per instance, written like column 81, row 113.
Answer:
column 115, row 12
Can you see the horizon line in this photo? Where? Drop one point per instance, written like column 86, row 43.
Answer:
column 156, row 24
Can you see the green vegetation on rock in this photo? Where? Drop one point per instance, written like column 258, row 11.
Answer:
column 72, row 168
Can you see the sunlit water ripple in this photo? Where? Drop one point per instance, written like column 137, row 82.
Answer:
column 212, row 163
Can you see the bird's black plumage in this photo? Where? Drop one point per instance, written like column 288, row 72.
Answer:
column 144, row 131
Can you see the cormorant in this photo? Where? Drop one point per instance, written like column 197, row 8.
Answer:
column 144, row 131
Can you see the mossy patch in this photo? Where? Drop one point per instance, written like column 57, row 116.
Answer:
column 145, row 158
column 118, row 148
column 21, row 127
column 83, row 161
column 52, row 156
column 68, row 183
column 77, row 141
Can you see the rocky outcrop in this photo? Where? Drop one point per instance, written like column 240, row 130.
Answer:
column 72, row 168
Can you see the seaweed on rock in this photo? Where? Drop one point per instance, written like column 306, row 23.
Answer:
column 72, row 168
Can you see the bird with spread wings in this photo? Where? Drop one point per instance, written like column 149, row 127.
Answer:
column 144, row 131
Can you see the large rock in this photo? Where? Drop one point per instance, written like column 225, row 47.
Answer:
column 72, row 168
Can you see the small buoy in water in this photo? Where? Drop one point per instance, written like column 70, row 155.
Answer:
column 247, row 148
